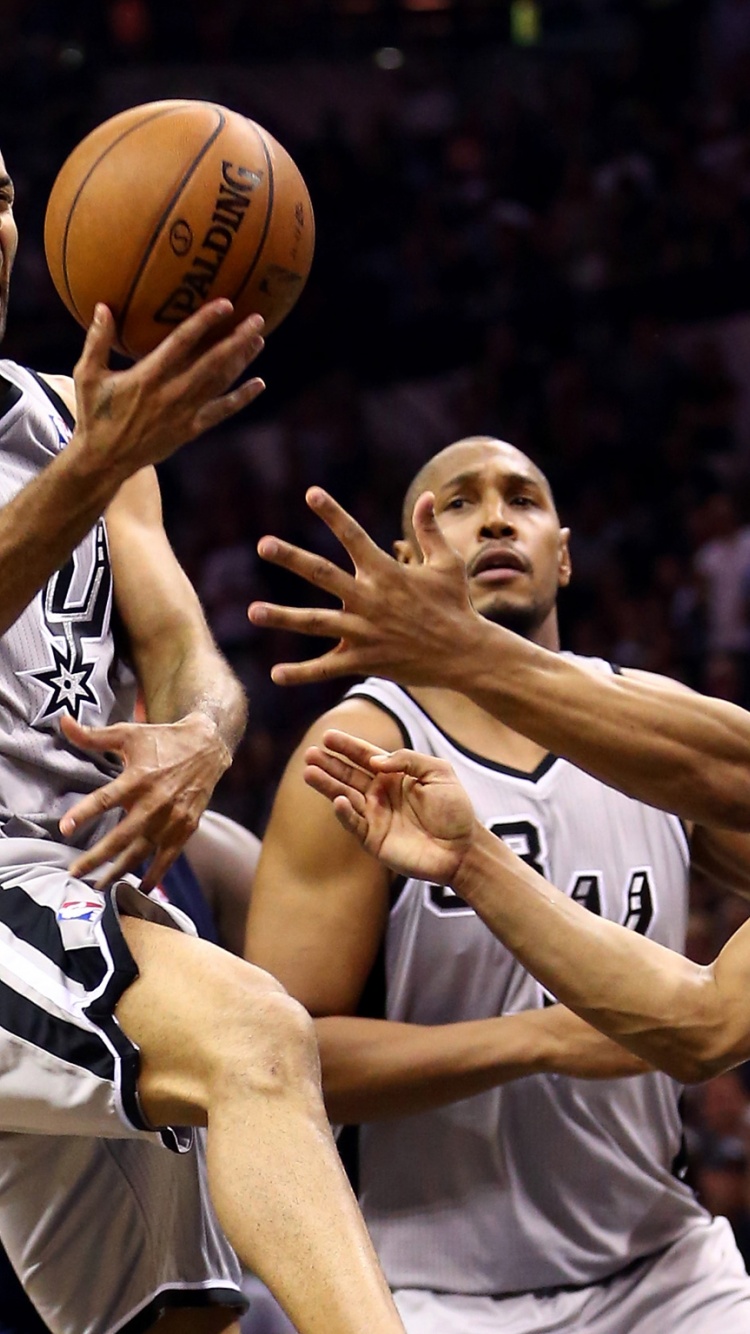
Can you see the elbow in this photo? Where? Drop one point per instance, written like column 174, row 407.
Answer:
column 695, row 1066
column 700, row 1044
column 716, row 793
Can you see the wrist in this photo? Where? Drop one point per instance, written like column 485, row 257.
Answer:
column 204, row 725
column 93, row 468
column 476, row 864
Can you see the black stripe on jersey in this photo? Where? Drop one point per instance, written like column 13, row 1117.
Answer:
column 183, row 1297
column 58, row 1037
column 9, row 396
column 37, row 925
column 531, row 776
column 57, row 402
column 101, row 1011
column 356, row 693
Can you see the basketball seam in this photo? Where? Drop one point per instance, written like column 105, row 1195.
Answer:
column 267, row 222
column 166, row 111
column 160, row 224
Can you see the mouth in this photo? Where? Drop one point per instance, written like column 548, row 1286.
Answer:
column 497, row 565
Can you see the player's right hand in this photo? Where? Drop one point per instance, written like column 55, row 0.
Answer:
column 408, row 810
column 141, row 415
column 411, row 623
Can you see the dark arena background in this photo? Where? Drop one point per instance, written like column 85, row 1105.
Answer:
column 533, row 221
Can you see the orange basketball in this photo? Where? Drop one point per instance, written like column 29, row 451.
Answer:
column 171, row 204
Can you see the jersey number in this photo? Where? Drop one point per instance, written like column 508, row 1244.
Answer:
column 524, row 838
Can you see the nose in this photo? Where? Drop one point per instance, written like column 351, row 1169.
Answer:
column 497, row 519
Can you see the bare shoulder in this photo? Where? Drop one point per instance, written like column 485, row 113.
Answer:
column 303, row 830
column 361, row 717
column 64, row 386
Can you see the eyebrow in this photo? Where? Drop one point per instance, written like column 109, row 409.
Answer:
column 513, row 478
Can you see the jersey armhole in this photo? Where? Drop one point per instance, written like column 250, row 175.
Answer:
column 356, row 693
column 57, row 402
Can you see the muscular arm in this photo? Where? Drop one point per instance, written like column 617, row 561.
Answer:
column 317, row 916
column 689, row 1020
column 180, row 669
column 650, row 738
column 375, row 1068
column 195, row 707
column 415, row 624
column 411, row 811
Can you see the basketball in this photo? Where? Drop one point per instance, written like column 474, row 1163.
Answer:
column 169, row 205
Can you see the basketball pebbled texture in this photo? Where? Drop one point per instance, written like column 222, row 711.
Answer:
column 169, row 205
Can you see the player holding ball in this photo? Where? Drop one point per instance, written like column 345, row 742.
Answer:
column 121, row 1031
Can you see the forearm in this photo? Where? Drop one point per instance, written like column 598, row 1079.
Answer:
column 684, row 753
column 658, row 1004
column 375, row 1069
column 194, row 681
column 45, row 522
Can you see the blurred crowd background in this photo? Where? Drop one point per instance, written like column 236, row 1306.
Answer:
column 533, row 222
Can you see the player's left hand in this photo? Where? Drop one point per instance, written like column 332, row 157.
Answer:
column 169, row 773
column 409, row 810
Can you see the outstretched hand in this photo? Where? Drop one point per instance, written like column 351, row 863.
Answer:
column 141, row 415
column 395, row 620
column 408, row 810
column 169, row 773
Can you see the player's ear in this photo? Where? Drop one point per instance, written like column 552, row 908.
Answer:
column 404, row 552
column 564, row 567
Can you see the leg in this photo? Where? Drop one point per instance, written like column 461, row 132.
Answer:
column 221, row 1043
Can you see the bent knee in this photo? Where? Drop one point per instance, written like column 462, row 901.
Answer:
column 205, row 1020
column 268, row 1039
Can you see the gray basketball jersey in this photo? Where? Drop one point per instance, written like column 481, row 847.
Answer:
column 60, row 655
column 547, row 1181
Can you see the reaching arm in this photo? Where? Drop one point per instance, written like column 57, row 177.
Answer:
column 414, row 624
column 195, row 707
column 375, row 1068
column 411, row 812
column 125, row 419
column 317, row 917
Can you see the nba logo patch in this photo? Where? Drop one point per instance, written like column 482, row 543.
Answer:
column 79, row 910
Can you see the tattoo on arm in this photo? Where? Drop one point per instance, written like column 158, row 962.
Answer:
column 104, row 406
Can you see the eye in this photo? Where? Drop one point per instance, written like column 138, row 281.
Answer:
column 455, row 503
column 523, row 502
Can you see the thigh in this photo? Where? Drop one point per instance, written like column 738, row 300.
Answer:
column 194, row 1013
column 108, row 1234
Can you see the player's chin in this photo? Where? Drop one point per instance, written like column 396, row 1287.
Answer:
column 494, row 603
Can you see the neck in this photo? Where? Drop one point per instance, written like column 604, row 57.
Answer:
column 479, row 731
column 548, row 634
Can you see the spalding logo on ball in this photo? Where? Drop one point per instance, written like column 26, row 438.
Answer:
column 169, row 205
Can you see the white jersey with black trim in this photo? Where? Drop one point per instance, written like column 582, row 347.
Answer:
column 548, row 1181
column 60, row 655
